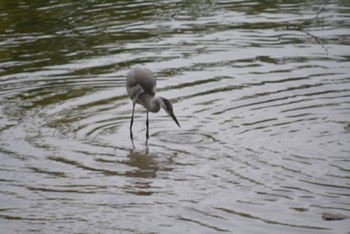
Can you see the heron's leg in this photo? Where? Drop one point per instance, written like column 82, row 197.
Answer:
column 147, row 125
column 132, row 120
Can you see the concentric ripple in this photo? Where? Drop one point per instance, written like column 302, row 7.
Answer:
column 187, row 137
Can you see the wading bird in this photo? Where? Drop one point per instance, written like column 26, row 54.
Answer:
column 141, row 87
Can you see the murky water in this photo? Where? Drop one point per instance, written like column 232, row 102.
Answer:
column 261, row 90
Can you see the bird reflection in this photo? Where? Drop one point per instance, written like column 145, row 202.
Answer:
column 146, row 166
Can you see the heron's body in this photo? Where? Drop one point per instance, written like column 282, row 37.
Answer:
column 141, row 87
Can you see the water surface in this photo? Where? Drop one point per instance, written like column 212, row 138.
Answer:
column 261, row 90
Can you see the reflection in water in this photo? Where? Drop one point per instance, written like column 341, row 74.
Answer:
column 261, row 92
column 145, row 164
column 145, row 167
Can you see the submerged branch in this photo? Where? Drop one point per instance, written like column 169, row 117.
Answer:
column 300, row 26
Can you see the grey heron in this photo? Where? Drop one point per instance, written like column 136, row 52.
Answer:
column 141, row 87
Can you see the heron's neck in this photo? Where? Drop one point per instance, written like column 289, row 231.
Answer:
column 151, row 103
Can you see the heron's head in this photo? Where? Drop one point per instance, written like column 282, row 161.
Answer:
column 168, row 107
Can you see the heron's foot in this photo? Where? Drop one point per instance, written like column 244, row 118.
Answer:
column 132, row 139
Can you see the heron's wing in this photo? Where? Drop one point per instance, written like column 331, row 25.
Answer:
column 140, row 80
column 134, row 91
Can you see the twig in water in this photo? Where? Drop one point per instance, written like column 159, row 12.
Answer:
column 299, row 27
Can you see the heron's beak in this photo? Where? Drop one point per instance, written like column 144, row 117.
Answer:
column 174, row 118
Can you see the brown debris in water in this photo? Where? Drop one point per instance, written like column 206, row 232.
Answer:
column 333, row 216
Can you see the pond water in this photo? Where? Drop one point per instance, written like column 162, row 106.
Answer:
column 261, row 90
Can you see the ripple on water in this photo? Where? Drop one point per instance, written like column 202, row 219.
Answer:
column 264, row 112
column 186, row 137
